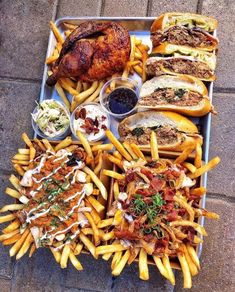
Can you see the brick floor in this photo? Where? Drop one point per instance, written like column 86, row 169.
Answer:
column 24, row 36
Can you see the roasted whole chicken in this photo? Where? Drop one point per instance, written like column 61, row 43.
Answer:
column 93, row 51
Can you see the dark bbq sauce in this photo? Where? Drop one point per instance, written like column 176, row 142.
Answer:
column 122, row 100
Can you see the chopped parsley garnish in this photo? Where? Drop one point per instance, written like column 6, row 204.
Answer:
column 137, row 132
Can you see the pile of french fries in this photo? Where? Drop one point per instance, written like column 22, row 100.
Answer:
column 187, row 259
column 89, row 92
column 89, row 236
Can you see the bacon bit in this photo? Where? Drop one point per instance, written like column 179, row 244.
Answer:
column 160, row 245
column 80, row 114
column 130, row 177
column 147, row 173
column 181, row 212
column 126, row 234
column 89, row 126
column 96, row 122
column 172, row 216
column 103, row 118
column 157, row 184
column 103, row 127
column 169, row 194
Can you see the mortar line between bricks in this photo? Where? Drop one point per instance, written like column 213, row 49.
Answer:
column 199, row 6
column 102, row 7
column 15, row 79
column 149, row 7
column 222, row 197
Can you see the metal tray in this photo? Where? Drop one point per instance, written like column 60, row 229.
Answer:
column 140, row 27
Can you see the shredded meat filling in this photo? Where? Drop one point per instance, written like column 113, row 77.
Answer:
column 178, row 97
column 178, row 35
column 141, row 136
column 181, row 66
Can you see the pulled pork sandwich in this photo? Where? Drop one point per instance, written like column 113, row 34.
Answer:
column 174, row 132
column 183, row 94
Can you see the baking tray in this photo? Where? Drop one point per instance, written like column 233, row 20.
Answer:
column 138, row 26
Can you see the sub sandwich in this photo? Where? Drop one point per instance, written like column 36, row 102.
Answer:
column 188, row 20
column 190, row 30
column 174, row 132
column 175, row 60
column 183, row 94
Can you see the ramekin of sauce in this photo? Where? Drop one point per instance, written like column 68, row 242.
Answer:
column 119, row 97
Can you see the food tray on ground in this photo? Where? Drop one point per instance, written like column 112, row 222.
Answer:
column 140, row 27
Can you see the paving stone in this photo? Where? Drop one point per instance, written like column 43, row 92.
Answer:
column 17, row 102
column 78, row 8
column 224, row 11
column 40, row 273
column 24, row 36
column 5, row 285
column 221, row 179
column 95, row 276
column 129, row 281
column 218, row 253
column 125, row 8
column 161, row 6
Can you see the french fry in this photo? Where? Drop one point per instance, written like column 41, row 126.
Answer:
column 186, row 206
column 95, row 215
column 154, row 146
column 143, row 265
column 167, row 265
column 137, row 151
column 32, row 250
column 15, row 248
column 26, row 139
column 204, row 168
column 81, row 97
column 12, row 193
column 12, row 226
column 94, row 228
column 161, row 267
column 118, row 145
column 19, row 169
column 25, row 246
column 67, row 87
column 105, row 223
column 12, row 240
column 62, row 95
column 7, row 218
column 65, row 256
column 48, row 145
column 107, row 256
column 88, row 244
column 23, row 151
column 56, row 254
column 100, row 163
column 113, row 174
column 12, row 207
column 115, row 160
column 117, row 217
column 63, row 144
column 121, row 264
column 85, row 86
column 32, row 153
column 96, row 204
column 15, row 182
column 133, row 43
column 21, row 157
column 184, row 155
column 186, row 271
column 195, row 225
column 56, row 32
column 193, row 255
column 78, row 249
column 96, row 93
column 21, row 162
column 116, row 190
column 76, row 263
column 117, row 155
column 103, row 147
column 102, row 249
column 9, row 235
column 191, row 265
column 133, row 255
column 129, row 149
column 52, row 58
column 116, row 258
column 40, row 144
column 108, row 236
column 69, row 25
column 85, row 144
column 198, row 191
column 190, row 166
column 198, row 155
column 96, row 181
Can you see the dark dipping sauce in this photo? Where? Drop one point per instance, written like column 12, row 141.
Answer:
column 122, row 100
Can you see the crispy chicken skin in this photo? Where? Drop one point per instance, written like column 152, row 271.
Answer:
column 93, row 51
